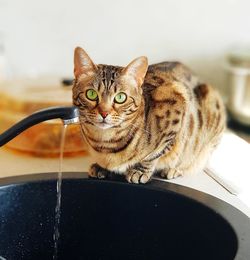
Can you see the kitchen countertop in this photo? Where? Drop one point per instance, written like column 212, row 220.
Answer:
column 14, row 164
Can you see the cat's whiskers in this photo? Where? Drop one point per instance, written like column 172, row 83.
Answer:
column 136, row 125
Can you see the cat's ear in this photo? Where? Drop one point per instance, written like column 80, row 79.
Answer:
column 137, row 69
column 83, row 65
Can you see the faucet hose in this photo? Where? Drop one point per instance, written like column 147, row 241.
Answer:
column 68, row 114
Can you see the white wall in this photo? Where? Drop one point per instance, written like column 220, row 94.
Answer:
column 40, row 35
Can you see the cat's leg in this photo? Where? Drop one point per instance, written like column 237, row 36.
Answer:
column 96, row 171
column 141, row 172
column 170, row 166
column 171, row 173
column 188, row 165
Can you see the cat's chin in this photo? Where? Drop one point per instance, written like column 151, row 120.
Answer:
column 103, row 125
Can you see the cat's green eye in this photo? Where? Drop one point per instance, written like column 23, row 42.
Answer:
column 91, row 94
column 120, row 98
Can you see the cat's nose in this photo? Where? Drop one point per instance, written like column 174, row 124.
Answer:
column 104, row 114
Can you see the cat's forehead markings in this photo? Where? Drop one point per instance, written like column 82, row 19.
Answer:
column 108, row 75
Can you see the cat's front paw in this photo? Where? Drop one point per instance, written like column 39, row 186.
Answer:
column 171, row 173
column 136, row 176
column 96, row 171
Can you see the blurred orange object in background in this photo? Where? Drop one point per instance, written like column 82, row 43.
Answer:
column 21, row 98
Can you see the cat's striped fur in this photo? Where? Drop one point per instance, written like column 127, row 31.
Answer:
column 169, row 123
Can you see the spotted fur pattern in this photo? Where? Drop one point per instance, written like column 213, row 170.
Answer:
column 170, row 122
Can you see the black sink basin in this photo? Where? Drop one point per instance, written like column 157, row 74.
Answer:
column 115, row 220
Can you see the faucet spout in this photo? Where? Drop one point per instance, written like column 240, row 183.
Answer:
column 69, row 115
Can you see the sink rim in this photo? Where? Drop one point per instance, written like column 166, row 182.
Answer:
column 239, row 222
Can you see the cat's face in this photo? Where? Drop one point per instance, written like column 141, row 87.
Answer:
column 107, row 95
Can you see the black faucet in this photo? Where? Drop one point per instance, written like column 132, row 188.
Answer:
column 69, row 115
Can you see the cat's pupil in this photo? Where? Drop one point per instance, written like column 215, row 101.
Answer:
column 120, row 98
column 91, row 94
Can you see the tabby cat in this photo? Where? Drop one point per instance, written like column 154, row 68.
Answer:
column 142, row 119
